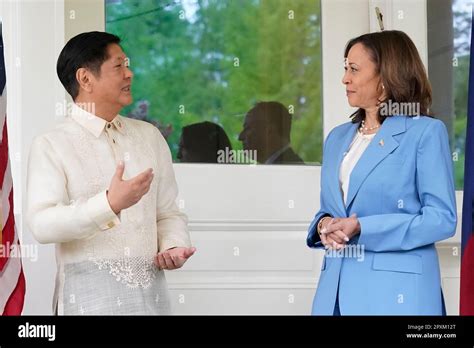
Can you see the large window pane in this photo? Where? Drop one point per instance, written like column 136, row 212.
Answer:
column 202, row 66
column 462, row 13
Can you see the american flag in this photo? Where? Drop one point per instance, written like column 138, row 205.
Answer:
column 12, row 280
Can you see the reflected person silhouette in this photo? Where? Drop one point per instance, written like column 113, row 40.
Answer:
column 201, row 142
column 267, row 128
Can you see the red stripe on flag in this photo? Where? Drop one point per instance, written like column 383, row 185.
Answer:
column 8, row 232
column 467, row 279
column 15, row 303
column 4, row 152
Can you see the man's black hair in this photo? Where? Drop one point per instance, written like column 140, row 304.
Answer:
column 86, row 50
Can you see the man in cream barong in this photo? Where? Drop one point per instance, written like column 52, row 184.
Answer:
column 102, row 187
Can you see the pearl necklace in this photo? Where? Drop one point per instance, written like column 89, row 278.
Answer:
column 367, row 129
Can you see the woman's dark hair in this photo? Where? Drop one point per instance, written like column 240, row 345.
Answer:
column 86, row 50
column 401, row 72
column 202, row 141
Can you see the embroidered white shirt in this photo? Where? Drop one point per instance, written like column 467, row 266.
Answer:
column 69, row 171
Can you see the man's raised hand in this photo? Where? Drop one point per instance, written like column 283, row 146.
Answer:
column 125, row 193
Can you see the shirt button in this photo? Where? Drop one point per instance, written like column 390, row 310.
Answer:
column 110, row 225
column 109, row 125
column 118, row 122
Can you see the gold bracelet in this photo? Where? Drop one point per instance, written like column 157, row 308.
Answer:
column 320, row 224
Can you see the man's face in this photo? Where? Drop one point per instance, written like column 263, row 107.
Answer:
column 251, row 136
column 113, row 85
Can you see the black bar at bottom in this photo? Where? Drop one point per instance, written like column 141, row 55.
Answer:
column 191, row 330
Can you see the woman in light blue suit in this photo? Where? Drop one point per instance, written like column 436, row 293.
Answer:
column 387, row 190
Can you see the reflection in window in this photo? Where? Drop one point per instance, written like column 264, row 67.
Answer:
column 226, row 81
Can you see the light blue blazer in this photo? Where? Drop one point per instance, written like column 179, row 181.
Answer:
column 402, row 190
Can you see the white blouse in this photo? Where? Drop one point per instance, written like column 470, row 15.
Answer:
column 356, row 149
column 105, row 261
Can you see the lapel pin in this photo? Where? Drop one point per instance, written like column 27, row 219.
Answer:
column 381, row 143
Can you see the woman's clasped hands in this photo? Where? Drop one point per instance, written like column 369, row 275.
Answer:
column 336, row 232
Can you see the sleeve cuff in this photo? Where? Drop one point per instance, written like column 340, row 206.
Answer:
column 101, row 213
column 313, row 240
column 168, row 244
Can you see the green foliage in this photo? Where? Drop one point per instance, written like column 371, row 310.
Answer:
column 217, row 58
column 462, row 23
column 461, row 74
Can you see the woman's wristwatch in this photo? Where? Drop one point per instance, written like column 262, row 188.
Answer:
column 320, row 224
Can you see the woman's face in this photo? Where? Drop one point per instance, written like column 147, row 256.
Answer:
column 361, row 79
